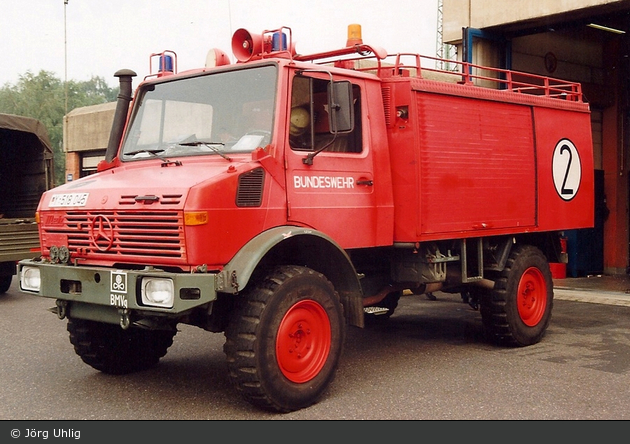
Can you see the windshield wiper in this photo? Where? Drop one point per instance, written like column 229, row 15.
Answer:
column 211, row 145
column 154, row 153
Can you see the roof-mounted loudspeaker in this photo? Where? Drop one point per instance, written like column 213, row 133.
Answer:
column 246, row 45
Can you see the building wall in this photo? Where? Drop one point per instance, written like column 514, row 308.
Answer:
column 86, row 136
column 576, row 58
column 88, row 127
column 458, row 14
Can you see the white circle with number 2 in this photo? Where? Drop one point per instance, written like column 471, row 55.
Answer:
column 567, row 169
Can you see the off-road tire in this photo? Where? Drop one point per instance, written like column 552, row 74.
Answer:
column 110, row 349
column 285, row 338
column 5, row 283
column 518, row 310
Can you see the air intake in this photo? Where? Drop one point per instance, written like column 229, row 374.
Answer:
column 250, row 188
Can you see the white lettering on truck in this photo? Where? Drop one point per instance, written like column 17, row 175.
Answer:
column 118, row 289
column 118, row 300
column 323, row 182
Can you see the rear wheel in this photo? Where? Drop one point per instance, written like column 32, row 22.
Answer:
column 110, row 349
column 285, row 339
column 518, row 310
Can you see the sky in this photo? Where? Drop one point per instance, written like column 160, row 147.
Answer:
column 88, row 38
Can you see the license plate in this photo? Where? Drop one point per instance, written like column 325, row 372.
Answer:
column 68, row 200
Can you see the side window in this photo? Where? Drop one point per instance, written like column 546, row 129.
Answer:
column 309, row 120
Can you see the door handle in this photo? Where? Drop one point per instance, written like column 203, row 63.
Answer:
column 368, row 182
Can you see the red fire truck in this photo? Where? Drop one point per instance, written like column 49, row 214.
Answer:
column 284, row 197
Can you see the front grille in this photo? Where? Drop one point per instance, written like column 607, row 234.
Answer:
column 117, row 235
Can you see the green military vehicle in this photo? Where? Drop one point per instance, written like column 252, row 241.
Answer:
column 26, row 171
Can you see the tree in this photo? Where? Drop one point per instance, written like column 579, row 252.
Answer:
column 43, row 97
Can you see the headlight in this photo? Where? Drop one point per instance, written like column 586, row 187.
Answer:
column 157, row 292
column 30, row 279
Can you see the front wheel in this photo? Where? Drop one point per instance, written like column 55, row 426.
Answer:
column 518, row 310
column 5, row 283
column 110, row 349
column 285, row 339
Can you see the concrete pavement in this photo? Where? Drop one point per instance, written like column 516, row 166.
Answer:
column 598, row 289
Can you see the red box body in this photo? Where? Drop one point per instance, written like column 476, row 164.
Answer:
column 472, row 162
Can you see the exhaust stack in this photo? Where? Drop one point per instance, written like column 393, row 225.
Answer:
column 120, row 115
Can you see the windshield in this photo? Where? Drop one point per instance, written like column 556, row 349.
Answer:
column 230, row 111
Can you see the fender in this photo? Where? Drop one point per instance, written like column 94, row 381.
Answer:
column 303, row 246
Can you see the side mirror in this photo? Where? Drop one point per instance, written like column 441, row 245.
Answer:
column 341, row 113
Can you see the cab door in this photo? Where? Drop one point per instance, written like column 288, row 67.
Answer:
column 330, row 171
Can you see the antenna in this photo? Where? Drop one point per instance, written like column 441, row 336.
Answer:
column 444, row 51
column 439, row 53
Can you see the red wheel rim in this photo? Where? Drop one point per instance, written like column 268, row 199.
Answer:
column 303, row 341
column 531, row 298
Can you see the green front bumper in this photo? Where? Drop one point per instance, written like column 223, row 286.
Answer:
column 101, row 293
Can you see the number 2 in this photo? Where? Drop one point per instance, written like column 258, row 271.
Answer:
column 564, row 190
column 566, row 169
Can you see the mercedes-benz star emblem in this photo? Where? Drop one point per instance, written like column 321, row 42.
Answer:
column 101, row 233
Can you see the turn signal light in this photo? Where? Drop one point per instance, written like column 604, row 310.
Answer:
column 195, row 218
